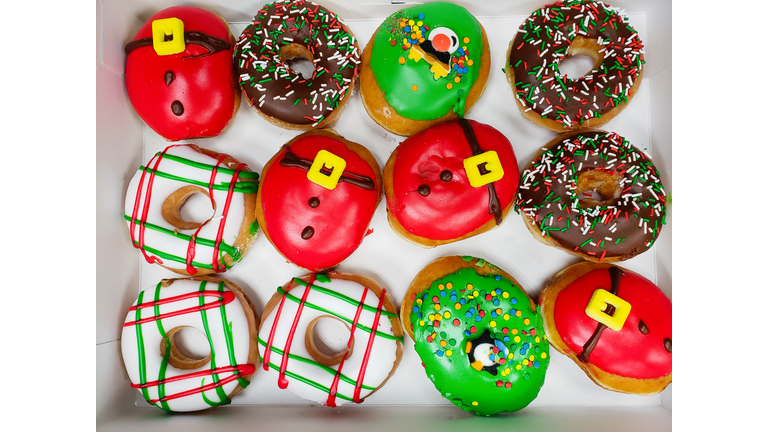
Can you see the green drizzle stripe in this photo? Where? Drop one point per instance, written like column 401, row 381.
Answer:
column 140, row 348
column 227, row 327
column 166, row 356
column 295, row 299
column 167, row 256
column 309, row 382
column 208, row 167
column 342, row 297
column 223, row 247
column 330, row 371
column 215, row 377
column 241, row 187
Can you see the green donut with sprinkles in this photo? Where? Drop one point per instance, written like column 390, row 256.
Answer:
column 478, row 334
column 424, row 65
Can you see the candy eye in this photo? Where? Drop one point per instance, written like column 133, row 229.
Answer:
column 444, row 40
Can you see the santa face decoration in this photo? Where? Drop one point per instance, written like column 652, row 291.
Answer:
column 179, row 75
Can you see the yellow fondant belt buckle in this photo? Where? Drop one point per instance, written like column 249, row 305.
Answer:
column 173, row 27
column 600, row 301
column 492, row 165
column 329, row 160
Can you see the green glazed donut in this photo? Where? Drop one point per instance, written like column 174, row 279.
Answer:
column 478, row 334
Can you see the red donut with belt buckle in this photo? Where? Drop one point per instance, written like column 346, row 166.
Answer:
column 317, row 198
column 615, row 324
column 452, row 181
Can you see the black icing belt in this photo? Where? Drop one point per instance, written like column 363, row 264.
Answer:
column 291, row 160
column 494, row 206
column 616, row 274
column 211, row 43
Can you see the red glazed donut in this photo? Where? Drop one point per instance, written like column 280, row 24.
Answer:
column 430, row 200
column 311, row 225
column 636, row 357
column 189, row 94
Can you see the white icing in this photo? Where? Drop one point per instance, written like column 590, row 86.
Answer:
column 383, row 352
column 152, row 339
column 163, row 187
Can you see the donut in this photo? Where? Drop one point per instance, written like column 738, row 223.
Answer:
column 182, row 85
column 405, row 95
column 317, row 197
column 594, row 195
column 283, row 31
column 165, row 376
column 452, row 181
column 331, row 379
column 478, row 334
column 615, row 324
column 551, row 99
column 160, row 188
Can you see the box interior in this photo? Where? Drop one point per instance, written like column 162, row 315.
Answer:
column 568, row 397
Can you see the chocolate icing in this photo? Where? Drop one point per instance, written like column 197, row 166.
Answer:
column 211, row 43
column 169, row 77
column 177, row 108
column 544, row 39
column 291, row 160
column 494, row 206
column 277, row 91
column 590, row 345
column 547, row 196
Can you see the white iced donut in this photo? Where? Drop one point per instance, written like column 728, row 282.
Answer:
column 168, row 378
column 159, row 190
column 331, row 379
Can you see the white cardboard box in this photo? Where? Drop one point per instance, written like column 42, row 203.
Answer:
column 568, row 400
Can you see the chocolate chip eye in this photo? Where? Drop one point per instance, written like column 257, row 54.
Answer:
column 169, row 77
column 446, row 176
column 423, row 190
column 314, row 202
column 642, row 327
column 668, row 344
column 177, row 108
column 307, row 233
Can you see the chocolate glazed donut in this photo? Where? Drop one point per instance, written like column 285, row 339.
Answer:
column 293, row 30
column 594, row 195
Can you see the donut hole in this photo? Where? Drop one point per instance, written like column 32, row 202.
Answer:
column 327, row 338
column 596, row 188
column 298, row 59
column 188, row 208
column 190, row 348
column 582, row 58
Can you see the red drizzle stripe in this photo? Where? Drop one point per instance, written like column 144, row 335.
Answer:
column 364, row 365
column 331, row 402
column 240, row 369
column 192, row 241
column 225, row 297
column 220, row 234
column 281, row 381
column 147, row 198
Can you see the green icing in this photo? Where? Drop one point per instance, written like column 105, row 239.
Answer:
column 468, row 306
column 432, row 98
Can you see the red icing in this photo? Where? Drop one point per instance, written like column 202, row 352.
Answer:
column 331, row 401
column 341, row 220
column 281, row 381
column 452, row 209
column 224, row 298
column 204, row 86
column 371, row 337
column 628, row 352
column 239, row 371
